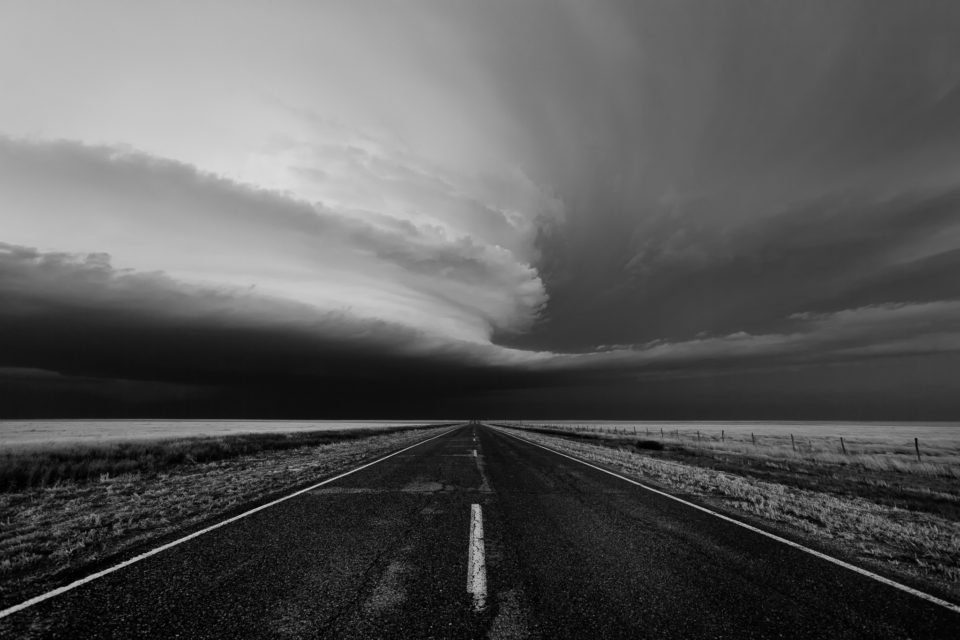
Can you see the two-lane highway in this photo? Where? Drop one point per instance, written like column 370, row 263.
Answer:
column 563, row 550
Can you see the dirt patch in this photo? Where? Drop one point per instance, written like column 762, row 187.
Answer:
column 389, row 591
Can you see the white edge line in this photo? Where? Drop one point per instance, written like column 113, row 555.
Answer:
column 126, row 563
column 790, row 543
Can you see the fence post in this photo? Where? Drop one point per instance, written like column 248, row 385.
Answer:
column 916, row 445
column 843, row 446
column 793, row 443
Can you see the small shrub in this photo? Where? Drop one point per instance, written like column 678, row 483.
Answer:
column 649, row 445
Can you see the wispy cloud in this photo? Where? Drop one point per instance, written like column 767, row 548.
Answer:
column 888, row 330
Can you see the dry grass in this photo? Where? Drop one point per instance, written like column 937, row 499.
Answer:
column 872, row 447
column 46, row 532
column 912, row 542
column 46, row 466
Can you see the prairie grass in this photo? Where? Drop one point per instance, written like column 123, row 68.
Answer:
column 49, row 465
column 877, row 448
column 49, row 531
column 893, row 518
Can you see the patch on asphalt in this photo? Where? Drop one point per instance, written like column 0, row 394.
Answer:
column 421, row 485
column 346, row 490
column 510, row 623
column 389, row 591
column 293, row 622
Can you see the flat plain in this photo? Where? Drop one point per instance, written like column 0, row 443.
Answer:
column 570, row 551
column 17, row 434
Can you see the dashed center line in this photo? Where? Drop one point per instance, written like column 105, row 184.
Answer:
column 476, row 563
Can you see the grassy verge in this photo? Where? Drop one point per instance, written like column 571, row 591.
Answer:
column 47, row 466
column 51, row 531
column 903, row 524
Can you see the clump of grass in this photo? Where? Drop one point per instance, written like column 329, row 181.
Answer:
column 648, row 445
column 48, row 466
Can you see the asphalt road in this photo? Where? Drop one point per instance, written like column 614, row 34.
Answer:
column 570, row 552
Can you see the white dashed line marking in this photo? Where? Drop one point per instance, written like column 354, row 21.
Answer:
column 476, row 564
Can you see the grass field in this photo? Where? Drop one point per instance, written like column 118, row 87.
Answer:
column 930, row 449
column 67, row 507
column 875, row 503
column 45, row 466
column 17, row 434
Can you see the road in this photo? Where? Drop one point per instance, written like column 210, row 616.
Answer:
column 566, row 551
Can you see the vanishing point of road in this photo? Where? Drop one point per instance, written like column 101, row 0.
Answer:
column 477, row 534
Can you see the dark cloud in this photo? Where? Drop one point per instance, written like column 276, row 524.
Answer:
column 697, row 145
column 77, row 335
column 681, row 277
column 117, row 335
column 76, row 314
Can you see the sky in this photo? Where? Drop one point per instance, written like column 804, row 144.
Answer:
column 445, row 208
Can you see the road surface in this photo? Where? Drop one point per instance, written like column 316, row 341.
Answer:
column 476, row 534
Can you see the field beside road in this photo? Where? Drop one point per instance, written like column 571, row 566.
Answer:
column 876, row 504
column 65, row 508
column 477, row 534
column 929, row 449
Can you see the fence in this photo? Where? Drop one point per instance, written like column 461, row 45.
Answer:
column 797, row 443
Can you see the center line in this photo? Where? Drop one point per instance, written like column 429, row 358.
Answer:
column 476, row 565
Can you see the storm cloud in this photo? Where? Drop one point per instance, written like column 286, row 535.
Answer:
column 624, row 209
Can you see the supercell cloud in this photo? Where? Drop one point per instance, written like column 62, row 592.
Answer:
column 621, row 209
